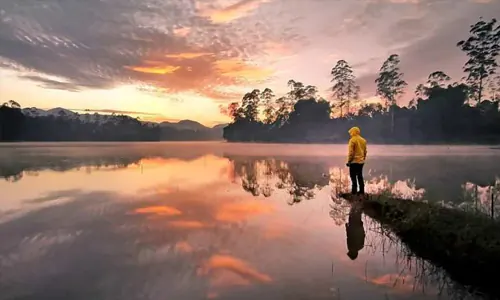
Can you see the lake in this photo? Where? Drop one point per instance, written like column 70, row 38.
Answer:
column 222, row 221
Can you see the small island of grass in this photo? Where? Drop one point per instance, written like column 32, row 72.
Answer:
column 465, row 244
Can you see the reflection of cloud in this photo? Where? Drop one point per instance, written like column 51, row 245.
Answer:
column 184, row 247
column 397, row 282
column 235, row 265
column 236, row 212
column 56, row 196
column 188, row 224
column 276, row 230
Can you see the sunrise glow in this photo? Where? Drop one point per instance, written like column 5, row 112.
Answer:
column 169, row 60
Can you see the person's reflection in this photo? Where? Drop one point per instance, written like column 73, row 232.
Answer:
column 355, row 232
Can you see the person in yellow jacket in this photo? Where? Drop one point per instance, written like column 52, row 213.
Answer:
column 356, row 160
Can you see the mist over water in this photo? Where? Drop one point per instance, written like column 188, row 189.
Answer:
column 219, row 220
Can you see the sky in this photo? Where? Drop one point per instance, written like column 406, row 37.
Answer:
column 184, row 59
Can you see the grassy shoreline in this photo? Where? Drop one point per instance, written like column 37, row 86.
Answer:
column 466, row 245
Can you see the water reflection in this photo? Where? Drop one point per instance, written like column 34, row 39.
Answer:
column 263, row 176
column 410, row 273
column 151, row 224
column 355, row 232
column 302, row 178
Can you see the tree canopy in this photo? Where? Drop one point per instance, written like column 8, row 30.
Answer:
column 441, row 111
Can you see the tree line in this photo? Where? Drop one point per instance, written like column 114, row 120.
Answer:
column 15, row 126
column 442, row 111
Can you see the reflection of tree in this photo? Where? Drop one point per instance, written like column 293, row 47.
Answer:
column 339, row 208
column 15, row 162
column 249, row 180
column 302, row 177
column 411, row 270
column 481, row 198
column 15, row 170
column 299, row 178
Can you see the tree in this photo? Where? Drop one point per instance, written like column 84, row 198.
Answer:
column 284, row 108
column 438, row 79
column 369, row 110
column 494, row 88
column 269, row 111
column 234, row 111
column 344, row 86
column 482, row 47
column 390, row 84
column 250, row 105
column 299, row 91
column 420, row 91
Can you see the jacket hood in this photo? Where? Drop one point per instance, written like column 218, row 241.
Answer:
column 354, row 131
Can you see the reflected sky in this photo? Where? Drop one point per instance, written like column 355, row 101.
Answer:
column 204, row 221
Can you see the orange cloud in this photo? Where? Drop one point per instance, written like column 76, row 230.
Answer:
column 159, row 210
column 235, row 212
column 182, row 32
column 154, row 70
column 237, row 68
column 200, row 73
column 277, row 50
column 188, row 55
column 232, row 12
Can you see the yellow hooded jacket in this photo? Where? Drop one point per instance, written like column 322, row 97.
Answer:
column 357, row 147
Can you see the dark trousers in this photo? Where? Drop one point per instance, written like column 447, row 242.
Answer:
column 356, row 173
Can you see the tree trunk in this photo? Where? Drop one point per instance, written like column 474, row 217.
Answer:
column 480, row 96
column 492, row 192
column 392, row 121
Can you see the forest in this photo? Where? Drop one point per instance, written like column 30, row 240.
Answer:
column 442, row 110
column 15, row 126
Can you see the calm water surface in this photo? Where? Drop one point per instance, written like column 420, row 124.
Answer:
column 221, row 221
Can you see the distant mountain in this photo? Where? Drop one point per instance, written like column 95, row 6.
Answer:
column 185, row 125
column 60, row 112
column 190, row 130
column 184, row 130
column 190, row 125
